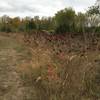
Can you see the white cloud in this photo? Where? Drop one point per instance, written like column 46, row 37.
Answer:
column 41, row 8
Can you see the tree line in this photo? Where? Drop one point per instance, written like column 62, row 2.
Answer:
column 64, row 21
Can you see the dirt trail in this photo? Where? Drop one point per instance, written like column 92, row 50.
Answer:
column 12, row 56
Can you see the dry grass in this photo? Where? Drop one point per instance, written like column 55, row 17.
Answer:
column 63, row 70
column 59, row 69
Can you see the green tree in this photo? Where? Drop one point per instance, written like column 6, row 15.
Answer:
column 30, row 26
column 65, row 20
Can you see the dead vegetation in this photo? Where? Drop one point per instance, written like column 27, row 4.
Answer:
column 65, row 67
column 60, row 68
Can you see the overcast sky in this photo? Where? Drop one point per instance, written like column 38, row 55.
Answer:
column 32, row 8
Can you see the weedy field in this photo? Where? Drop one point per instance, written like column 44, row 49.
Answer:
column 49, row 67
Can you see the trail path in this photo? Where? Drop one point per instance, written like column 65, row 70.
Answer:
column 12, row 56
